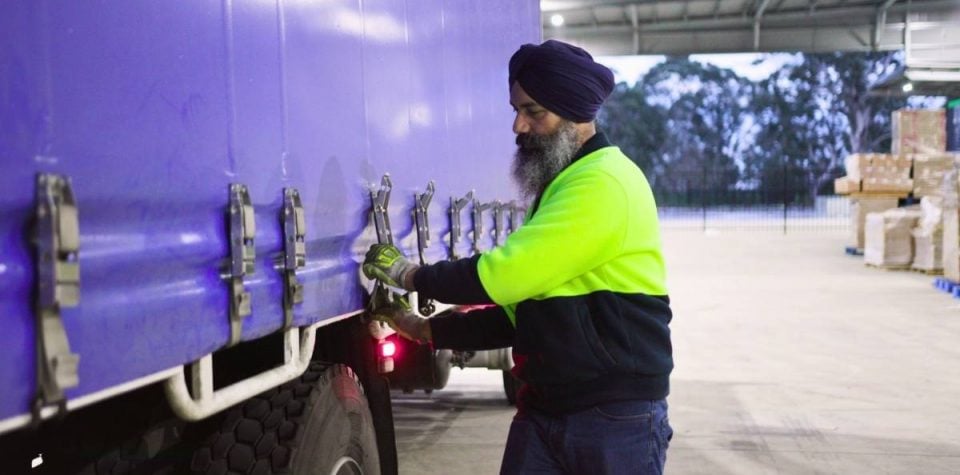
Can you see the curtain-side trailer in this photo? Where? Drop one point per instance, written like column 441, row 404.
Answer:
column 186, row 191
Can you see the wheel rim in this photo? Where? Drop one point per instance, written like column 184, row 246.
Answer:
column 346, row 466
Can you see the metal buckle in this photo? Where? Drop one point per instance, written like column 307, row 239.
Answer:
column 295, row 252
column 455, row 233
column 477, row 213
column 242, row 254
column 498, row 231
column 421, row 219
column 58, row 287
column 380, row 202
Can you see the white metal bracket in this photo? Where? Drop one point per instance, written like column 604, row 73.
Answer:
column 200, row 400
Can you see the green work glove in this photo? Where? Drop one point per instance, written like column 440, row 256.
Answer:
column 401, row 318
column 385, row 263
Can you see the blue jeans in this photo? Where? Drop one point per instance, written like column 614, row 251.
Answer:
column 620, row 437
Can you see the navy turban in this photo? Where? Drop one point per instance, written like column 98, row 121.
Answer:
column 562, row 78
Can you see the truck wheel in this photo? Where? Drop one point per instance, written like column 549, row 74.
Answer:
column 511, row 386
column 317, row 424
column 132, row 433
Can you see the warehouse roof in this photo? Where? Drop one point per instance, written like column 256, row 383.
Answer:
column 928, row 31
column 610, row 27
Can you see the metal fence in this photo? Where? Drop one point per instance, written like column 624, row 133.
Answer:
column 711, row 212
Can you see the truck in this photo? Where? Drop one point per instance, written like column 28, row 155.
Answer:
column 186, row 192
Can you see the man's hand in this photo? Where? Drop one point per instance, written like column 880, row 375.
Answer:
column 401, row 318
column 384, row 262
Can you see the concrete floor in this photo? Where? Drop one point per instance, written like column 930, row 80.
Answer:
column 791, row 357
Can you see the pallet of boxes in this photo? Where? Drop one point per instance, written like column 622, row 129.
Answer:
column 875, row 182
column 951, row 198
column 921, row 135
column 910, row 237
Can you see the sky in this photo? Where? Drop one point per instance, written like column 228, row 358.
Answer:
column 753, row 66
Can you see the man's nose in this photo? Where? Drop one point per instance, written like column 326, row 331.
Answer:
column 520, row 126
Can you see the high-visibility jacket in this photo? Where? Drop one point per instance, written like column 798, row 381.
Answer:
column 580, row 289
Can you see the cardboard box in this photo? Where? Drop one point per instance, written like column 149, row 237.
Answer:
column 875, row 173
column 861, row 166
column 860, row 206
column 889, row 237
column 853, row 163
column 929, row 171
column 844, row 186
column 919, row 131
column 886, row 185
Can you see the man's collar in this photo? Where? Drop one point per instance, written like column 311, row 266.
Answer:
column 598, row 141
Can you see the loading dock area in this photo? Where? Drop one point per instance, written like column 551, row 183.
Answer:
column 792, row 357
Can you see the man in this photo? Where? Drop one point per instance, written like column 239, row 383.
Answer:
column 579, row 289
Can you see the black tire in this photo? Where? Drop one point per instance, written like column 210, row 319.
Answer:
column 317, row 424
column 133, row 433
column 154, row 452
column 511, row 386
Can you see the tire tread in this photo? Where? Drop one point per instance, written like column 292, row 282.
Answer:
column 261, row 434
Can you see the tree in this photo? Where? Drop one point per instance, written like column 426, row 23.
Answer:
column 636, row 126
column 817, row 111
column 701, row 104
column 697, row 127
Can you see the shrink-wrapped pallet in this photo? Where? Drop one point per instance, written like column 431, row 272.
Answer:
column 951, row 227
column 928, row 253
column 951, row 249
column 929, row 170
column 862, row 205
column 928, row 235
column 888, row 237
column 919, row 131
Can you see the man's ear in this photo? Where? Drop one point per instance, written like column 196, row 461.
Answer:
column 585, row 130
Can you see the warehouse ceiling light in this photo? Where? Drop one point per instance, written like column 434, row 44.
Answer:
column 556, row 20
column 941, row 80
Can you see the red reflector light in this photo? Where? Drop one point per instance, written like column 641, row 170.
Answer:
column 388, row 349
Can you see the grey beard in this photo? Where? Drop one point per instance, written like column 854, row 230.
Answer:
column 539, row 159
